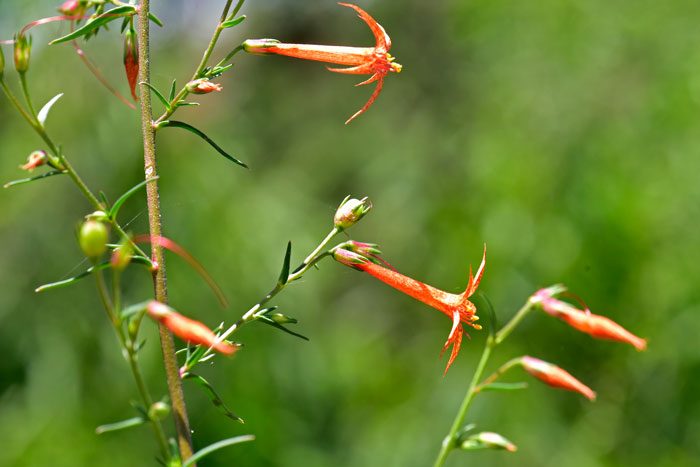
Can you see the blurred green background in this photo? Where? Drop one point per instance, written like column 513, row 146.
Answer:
column 563, row 134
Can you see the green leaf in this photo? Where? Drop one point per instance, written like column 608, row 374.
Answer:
column 271, row 322
column 104, row 199
column 131, row 422
column 188, row 127
column 284, row 275
column 31, row 179
column 87, row 272
column 504, row 386
column 155, row 19
column 44, row 112
column 215, row 446
column 118, row 203
column 213, row 396
column 172, row 91
column 233, row 22
column 134, row 309
column 160, row 96
column 101, row 20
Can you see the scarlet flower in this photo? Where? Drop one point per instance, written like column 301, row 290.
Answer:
column 456, row 306
column 185, row 328
column 363, row 60
column 555, row 376
column 34, row 160
column 597, row 326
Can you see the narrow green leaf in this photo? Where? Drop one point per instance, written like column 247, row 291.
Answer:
column 172, row 91
column 273, row 323
column 233, row 22
column 31, row 179
column 101, row 20
column 188, row 127
column 87, row 272
column 134, row 309
column 125, row 23
column 44, row 112
column 213, row 396
column 131, row 422
column 284, row 275
column 155, row 19
column 215, row 446
column 118, row 203
column 185, row 104
column 504, row 386
column 104, row 199
column 160, row 96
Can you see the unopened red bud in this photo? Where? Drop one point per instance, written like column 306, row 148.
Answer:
column 555, row 376
column 185, row 328
column 34, row 160
column 121, row 256
column 158, row 410
column 131, row 60
column 72, row 8
column 23, row 49
column 350, row 211
column 488, row 440
column 93, row 238
column 203, row 86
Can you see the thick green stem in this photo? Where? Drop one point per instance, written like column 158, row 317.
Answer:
column 450, row 441
column 182, row 426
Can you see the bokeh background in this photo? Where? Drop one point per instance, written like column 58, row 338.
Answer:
column 563, row 134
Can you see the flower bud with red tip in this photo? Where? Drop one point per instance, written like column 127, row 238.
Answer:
column 348, row 258
column 72, row 8
column 350, row 211
column 92, row 238
column 23, row 49
column 554, row 376
column 597, row 326
column 185, row 328
column 34, row 160
column 202, row 86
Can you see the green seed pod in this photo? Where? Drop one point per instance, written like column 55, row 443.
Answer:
column 93, row 238
column 158, row 410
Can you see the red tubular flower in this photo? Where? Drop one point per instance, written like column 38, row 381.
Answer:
column 597, row 326
column 185, row 328
column 456, row 306
column 554, row 376
column 362, row 60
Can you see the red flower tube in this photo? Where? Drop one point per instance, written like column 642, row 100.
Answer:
column 185, row 328
column 597, row 326
column 554, row 376
column 456, row 306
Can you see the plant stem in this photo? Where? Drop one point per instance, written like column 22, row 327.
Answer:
column 131, row 357
column 25, row 90
column 449, row 443
column 182, row 428
column 497, row 374
column 514, row 321
column 175, row 103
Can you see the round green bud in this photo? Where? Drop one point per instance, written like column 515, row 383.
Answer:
column 93, row 238
column 158, row 410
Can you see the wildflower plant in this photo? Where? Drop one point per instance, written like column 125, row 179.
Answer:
column 113, row 251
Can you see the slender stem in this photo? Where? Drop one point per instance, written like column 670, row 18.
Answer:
column 514, row 321
column 177, row 398
column 321, row 245
column 450, row 441
column 175, row 103
column 497, row 374
column 14, row 100
column 146, row 399
column 27, row 96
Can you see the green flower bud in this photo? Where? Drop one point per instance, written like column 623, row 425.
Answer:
column 158, row 410
column 259, row 46
column 93, row 238
column 23, row 48
column 350, row 211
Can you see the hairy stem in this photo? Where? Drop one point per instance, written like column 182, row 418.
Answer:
column 182, row 426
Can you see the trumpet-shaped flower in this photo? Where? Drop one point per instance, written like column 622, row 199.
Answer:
column 456, row 306
column 185, row 328
column 597, row 326
column 375, row 61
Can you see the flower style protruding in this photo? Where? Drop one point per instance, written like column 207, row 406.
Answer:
column 375, row 61
column 555, row 376
column 456, row 306
column 597, row 326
